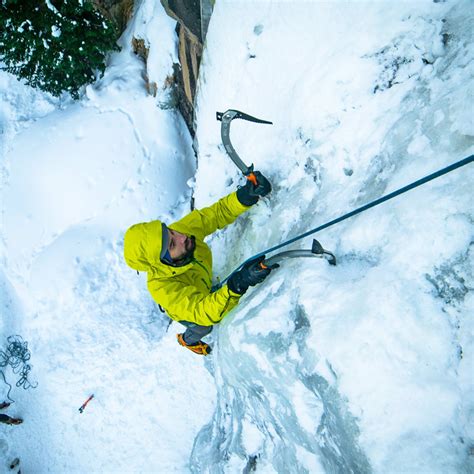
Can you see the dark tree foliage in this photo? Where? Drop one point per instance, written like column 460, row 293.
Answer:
column 55, row 45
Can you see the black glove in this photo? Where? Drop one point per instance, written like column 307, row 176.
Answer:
column 250, row 193
column 249, row 275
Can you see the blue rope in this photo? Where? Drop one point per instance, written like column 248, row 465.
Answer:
column 405, row 189
column 17, row 355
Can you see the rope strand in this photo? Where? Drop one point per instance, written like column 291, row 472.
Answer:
column 16, row 355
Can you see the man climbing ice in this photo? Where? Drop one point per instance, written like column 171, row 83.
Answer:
column 179, row 264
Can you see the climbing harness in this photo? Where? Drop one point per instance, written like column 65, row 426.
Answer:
column 374, row 203
column 16, row 355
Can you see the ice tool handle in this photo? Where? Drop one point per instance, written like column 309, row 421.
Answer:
column 226, row 119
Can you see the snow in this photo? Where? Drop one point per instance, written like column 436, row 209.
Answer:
column 56, row 31
column 52, row 7
column 75, row 176
column 362, row 367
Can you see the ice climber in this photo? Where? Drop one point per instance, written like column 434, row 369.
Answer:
column 179, row 264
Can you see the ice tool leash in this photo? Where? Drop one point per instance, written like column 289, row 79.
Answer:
column 317, row 250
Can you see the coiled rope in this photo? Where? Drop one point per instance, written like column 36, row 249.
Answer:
column 374, row 203
column 17, row 355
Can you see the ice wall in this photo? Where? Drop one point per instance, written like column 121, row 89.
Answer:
column 363, row 367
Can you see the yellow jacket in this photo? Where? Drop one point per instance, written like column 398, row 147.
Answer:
column 185, row 292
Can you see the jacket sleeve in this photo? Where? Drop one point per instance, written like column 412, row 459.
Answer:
column 183, row 302
column 207, row 220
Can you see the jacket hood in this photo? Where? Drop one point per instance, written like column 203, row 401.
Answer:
column 143, row 245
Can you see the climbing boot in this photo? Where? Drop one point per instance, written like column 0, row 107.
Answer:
column 200, row 348
column 13, row 421
column 4, row 405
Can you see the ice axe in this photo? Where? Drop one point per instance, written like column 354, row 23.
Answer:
column 226, row 119
column 317, row 250
column 274, row 261
column 83, row 406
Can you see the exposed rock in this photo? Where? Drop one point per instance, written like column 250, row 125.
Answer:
column 118, row 11
column 193, row 19
column 141, row 49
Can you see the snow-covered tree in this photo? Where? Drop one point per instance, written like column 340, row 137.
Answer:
column 55, row 45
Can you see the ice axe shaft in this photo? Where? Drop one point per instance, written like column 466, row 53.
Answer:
column 226, row 119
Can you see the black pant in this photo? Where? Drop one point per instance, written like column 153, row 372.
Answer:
column 194, row 333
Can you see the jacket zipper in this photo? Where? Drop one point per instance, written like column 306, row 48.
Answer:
column 205, row 269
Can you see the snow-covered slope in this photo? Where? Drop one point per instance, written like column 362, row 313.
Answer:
column 74, row 177
column 366, row 366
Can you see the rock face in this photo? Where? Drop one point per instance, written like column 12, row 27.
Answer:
column 193, row 19
column 119, row 11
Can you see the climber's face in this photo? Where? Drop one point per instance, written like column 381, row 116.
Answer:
column 180, row 246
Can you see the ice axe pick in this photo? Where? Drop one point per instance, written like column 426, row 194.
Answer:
column 226, row 119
